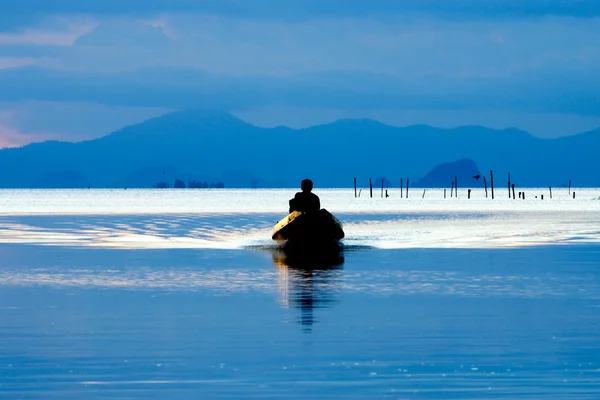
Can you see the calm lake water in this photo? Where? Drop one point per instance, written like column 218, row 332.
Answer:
column 181, row 294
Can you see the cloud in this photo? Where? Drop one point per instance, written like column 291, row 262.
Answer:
column 573, row 91
column 13, row 137
column 51, row 30
column 125, row 33
column 536, row 57
column 9, row 137
column 307, row 9
column 547, row 65
column 38, row 37
column 23, row 122
column 13, row 62
column 395, row 47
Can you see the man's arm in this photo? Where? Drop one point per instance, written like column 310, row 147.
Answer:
column 294, row 203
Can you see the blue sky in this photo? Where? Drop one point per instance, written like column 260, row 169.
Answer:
column 73, row 70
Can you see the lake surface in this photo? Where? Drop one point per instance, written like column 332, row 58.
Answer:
column 181, row 294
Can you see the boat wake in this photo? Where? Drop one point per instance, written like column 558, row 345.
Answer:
column 253, row 231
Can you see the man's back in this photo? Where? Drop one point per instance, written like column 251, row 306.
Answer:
column 305, row 202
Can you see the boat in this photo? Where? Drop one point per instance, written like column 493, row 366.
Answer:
column 300, row 258
column 319, row 228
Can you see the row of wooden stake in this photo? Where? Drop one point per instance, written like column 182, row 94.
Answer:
column 454, row 188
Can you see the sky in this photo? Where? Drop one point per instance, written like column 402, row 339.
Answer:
column 79, row 69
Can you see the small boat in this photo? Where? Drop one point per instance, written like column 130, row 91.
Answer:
column 319, row 227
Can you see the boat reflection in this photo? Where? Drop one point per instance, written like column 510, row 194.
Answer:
column 308, row 278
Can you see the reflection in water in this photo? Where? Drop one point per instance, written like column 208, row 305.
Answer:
column 308, row 277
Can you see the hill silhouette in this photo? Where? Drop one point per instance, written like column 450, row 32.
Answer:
column 443, row 175
column 216, row 146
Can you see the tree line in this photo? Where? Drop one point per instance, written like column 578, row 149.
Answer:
column 179, row 184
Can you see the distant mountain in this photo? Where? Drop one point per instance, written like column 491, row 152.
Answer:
column 216, row 146
column 61, row 180
column 443, row 175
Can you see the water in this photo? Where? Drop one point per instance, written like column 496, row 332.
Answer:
column 181, row 294
column 234, row 219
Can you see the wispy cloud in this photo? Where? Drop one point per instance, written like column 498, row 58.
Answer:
column 23, row 122
column 13, row 62
column 306, row 9
column 11, row 137
column 60, row 31
column 538, row 57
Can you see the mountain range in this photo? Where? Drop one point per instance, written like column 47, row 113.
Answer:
column 216, row 146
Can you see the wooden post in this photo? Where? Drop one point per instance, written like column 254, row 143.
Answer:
column 355, row 187
column 359, row 192
column 519, row 195
column 469, row 194
column 382, row 187
column 492, row 182
column 542, row 197
column 513, row 190
column 423, row 193
column 523, row 195
column 455, row 186
column 444, row 193
column 573, row 194
column 401, row 187
column 371, row 187
column 407, row 188
column 485, row 185
column 452, row 189
column 569, row 187
column 509, row 185
column 550, row 191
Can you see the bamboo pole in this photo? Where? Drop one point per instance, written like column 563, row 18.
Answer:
column 485, row 186
column 401, row 187
column 455, row 186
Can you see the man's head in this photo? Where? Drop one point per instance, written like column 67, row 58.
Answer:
column 306, row 185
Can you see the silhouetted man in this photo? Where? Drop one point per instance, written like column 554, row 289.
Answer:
column 305, row 201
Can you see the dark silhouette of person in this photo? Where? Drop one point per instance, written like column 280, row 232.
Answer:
column 305, row 201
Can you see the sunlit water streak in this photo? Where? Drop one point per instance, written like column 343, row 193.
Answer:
column 202, row 201
column 406, row 283
column 230, row 219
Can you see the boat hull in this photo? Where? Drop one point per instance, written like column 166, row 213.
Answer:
column 321, row 227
